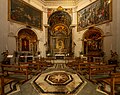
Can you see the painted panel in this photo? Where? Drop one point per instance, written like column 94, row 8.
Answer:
column 23, row 13
column 98, row 12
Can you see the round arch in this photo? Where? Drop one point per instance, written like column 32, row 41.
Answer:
column 27, row 41
column 93, row 42
column 92, row 30
column 59, row 33
column 25, row 27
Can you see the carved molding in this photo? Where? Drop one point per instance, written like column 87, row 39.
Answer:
column 46, row 25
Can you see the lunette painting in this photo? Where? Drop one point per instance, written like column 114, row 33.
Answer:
column 23, row 13
column 99, row 12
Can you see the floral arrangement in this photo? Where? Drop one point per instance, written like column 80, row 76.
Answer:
column 114, row 55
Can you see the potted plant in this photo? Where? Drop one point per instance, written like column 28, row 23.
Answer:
column 114, row 58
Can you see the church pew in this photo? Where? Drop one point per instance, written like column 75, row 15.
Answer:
column 13, row 73
column 14, row 70
column 43, row 62
column 73, row 62
column 4, row 82
column 34, row 67
column 31, row 65
column 90, row 64
column 113, row 80
column 69, row 59
column 80, row 66
column 101, row 70
column 94, row 68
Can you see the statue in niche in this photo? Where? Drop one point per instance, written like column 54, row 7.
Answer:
column 60, row 45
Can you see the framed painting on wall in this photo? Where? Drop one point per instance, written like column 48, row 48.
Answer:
column 96, row 13
column 23, row 13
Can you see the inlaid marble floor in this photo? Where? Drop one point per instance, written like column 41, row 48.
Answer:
column 58, row 80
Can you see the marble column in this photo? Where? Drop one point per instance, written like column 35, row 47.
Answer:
column 46, row 36
column 72, row 27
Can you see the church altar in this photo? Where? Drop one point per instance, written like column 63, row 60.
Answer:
column 59, row 56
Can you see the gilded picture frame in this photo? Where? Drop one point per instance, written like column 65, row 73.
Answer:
column 98, row 12
column 23, row 13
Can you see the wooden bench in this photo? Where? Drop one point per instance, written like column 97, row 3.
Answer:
column 101, row 70
column 69, row 59
column 43, row 63
column 31, row 65
column 14, row 73
column 113, row 80
column 82, row 67
column 94, row 69
column 14, row 70
column 4, row 82
column 35, row 67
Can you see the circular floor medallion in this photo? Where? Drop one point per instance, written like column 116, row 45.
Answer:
column 58, row 78
column 58, row 82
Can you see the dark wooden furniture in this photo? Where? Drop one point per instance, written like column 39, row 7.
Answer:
column 112, row 81
column 100, row 70
column 13, row 73
column 15, row 70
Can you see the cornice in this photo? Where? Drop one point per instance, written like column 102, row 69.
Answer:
column 60, row 2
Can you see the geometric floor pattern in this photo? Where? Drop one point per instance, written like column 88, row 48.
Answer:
column 58, row 80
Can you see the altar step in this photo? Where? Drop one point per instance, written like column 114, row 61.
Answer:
column 59, row 66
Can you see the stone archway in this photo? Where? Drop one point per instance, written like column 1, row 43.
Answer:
column 27, row 41
column 93, row 42
column 59, row 33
